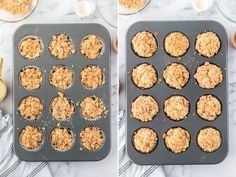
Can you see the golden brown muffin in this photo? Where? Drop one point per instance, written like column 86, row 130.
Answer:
column 92, row 138
column 61, row 77
column 144, row 108
column 61, row 107
column 176, row 107
column 207, row 44
column 209, row 139
column 91, row 47
column 144, row 76
column 208, row 75
column 62, row 139
column 30, row 108
column 31, row 138
column 176, row 75
column 92, row 107
column 92, row 77
column 176, row 44
column 61, row 47
column 145, row 140
column 30, row 48
column 132, row 4
column 31, row 77
column 177, row 139
column 208, row 107
column 144, row 44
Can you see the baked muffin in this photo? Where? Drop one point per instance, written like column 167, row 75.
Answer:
column 31, row 138
column 176, row 44
column 92, row 138
column 61, row 107
column 144, row 44
column 91, row 47
column 176, row 107
column 132, row 4
column 208, row 75
column 208, row 107
column 177, row 140
column 176, row 75
column 92, row 107
column 145, row 140
column 30, row 108
column 208, row 44
column 30, row 48
column 62, row 138
column 61, row 77
column 61, row 47
column 209, row 139
column 144, row 76
column 92, row 77
column 144, row 108
column 31, row 77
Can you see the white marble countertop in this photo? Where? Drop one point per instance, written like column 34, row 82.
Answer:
column 55, row 11
column 182, row 10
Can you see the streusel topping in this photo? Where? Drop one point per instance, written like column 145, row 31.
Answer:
column 30, row 48
column 132, row 4
column 16, row 7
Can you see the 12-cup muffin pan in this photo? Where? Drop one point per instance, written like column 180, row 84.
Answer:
column 76, row 62
column 192, row 91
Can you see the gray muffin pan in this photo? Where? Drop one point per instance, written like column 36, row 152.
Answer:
column 192, row 91
column 46, row 123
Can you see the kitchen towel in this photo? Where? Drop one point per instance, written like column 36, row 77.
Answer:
column 10, row 165
column 126, row 167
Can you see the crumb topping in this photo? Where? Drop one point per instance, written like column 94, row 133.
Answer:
column 30, row 48
column 208, row 107
column 208, row 75
column 30, row 108
column 92, row 138
column 61, row 107
column 144, row 76
column 61, row 47
column 145, row 140
column 16, row 7
column 176, row 75
column 91, row 47
column 177, row 139
column 144, row 108
column 209, row 139
column 144, row 44
column 207, row 44
column 132, row 4
column 176, row 44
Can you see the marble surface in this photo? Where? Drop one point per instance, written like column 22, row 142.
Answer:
column 55, row 11
column 182, row 10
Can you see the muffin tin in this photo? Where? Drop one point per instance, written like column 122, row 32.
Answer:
column 192, row 91
column 76, row 92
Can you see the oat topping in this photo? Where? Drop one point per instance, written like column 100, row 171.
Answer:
column 144, row 76
column 208, row 107
column 144, row 44
column 176, row 107
column 132, row 4
column 209, row 139
column 91, row 47
column 61, row 77
column 92, row 77
column 31, row 78
column 144, row 108
column 31, row 138
column 177, row 139
column 30, row 108
column 176, row 75
column 16, row 7
column 61, row 107
column 61, row 138
column 92, row 138
column 207, row 44
column 208, row 75
column 176, row 44
column 30, row 48
column 61, row 47
column 145, row 140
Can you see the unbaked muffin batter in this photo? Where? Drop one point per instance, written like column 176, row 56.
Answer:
column 30, row 48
